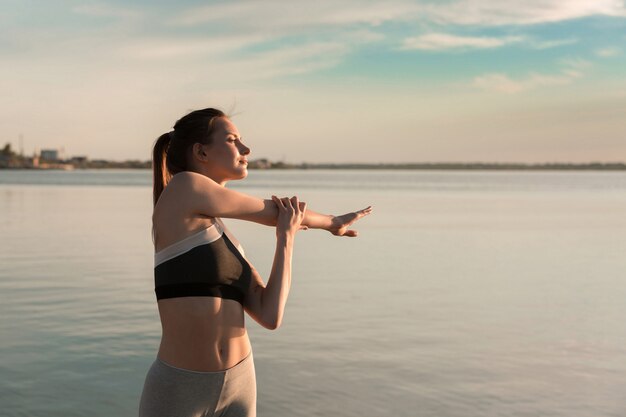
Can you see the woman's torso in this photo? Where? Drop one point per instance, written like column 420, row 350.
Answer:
column 198, row 333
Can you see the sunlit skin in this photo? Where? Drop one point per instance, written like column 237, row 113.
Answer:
column 208, row 333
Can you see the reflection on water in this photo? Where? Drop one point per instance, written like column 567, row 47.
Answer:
column 465, row 294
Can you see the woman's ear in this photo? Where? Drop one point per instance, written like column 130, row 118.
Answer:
column 199, row 152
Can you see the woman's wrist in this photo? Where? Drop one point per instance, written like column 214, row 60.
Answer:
column 315, row 220
column 285, row 238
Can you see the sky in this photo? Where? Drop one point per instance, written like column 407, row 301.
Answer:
column 326, row 81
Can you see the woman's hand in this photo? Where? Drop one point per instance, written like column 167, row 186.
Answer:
column 339, row 224
column 290, row 215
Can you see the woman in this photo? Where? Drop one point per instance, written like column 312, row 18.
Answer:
column 203, row 282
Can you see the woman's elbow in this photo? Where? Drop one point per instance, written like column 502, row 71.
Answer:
column 272, row 323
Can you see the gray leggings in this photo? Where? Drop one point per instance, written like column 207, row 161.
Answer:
column 174, row 392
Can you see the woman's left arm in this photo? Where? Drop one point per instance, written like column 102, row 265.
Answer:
column 266, row 303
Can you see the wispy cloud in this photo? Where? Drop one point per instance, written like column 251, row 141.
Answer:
column 575, row 64
column 105, row 10
column 515, row 12
column 445, row 41
column 278, row 20
column 502, row 83
column 608, row 52
column 554, row 43
column 275, row 15
column 187, row 47
column 294, row 60
column 439, row 41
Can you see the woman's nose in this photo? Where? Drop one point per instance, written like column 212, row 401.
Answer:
column 245, row 150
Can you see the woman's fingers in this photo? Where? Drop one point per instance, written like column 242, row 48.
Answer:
column 341, row 223
column 278, row 201
column 364, row 212
column 359, row 214
column 293, row 203
column 287, row 203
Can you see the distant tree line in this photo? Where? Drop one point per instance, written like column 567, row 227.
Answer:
column 7, row 151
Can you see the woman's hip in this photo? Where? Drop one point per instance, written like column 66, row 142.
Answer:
column 172, row 391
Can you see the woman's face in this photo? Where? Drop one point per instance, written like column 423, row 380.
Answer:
column 225, row 157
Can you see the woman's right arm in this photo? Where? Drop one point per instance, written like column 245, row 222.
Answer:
column 204, row 196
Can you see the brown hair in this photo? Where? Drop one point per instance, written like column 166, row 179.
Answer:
column 170, row 151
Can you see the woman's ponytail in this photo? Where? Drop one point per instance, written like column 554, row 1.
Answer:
column 161, row 174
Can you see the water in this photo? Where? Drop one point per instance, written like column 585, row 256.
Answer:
column 466, row 294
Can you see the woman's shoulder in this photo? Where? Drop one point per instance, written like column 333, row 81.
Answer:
column 176, row 204
column 173, row 195
column 185, row 192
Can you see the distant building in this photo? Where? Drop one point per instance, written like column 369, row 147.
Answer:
column 49, row 155
column 79, row 160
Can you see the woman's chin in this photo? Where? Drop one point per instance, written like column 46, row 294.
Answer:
column 243, row 172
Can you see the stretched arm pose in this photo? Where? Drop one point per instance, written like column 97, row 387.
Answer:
column 207, row 196
column 264, row 303
column 195, row 161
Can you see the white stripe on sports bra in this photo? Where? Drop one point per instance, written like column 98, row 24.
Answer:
column 204, row 236
column 208, row 235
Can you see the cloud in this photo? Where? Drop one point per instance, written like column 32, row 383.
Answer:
column 608, row 52
column 502, row 83
column 154, row 48
column 298, row 16
column 576, row 64
column 291, row 60
column 439, row 41
column 279, row 21
column 547, row 44
column 443, row 41
column 515, row 12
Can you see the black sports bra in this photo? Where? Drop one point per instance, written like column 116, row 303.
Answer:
column 206, row 263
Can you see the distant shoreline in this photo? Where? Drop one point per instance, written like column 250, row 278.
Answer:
column 264, row 165
column 466, row 166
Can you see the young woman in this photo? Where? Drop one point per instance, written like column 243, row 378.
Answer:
column 203, row 282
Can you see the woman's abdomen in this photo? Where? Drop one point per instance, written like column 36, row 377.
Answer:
column 202, row 333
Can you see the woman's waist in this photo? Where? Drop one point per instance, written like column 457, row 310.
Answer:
column 204, row 352
column 202, row 332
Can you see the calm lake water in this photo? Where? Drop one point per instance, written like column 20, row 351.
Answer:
column 467, row 293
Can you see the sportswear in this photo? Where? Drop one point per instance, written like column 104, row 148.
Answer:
column 210, row 263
